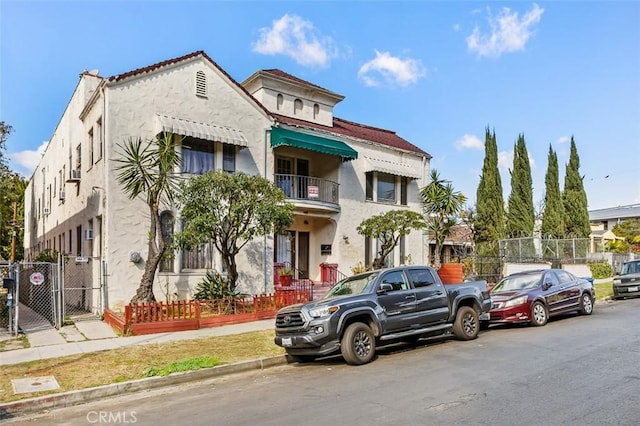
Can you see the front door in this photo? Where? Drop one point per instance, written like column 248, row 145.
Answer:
column 303, row 255
column 284, row 175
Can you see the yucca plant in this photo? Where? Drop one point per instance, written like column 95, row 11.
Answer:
column 214, row 286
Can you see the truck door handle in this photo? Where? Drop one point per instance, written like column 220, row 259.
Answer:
column 438, row 293
column 410, row 297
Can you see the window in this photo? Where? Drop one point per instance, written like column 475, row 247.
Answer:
column 90, row 142
column 386, row 188
column 78, row 157
column 79, row 240
column 369, row 187
column 396, row 279
column 90, row 240
column 279, row 101
column 367, row 252
column 70, row 242
column 402, row 245
column 228, row 158
column 201, row 84
column 389, row 260
column 197, row 156
column 166, row 227
column 316, row 110
column 100, row 144
column 297, row 107
column 199, row 257
column 421, row 277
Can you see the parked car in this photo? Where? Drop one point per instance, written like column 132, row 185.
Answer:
column 534, row 296
column 368, row 309
column 627, row 283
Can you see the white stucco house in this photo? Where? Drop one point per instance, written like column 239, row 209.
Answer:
column 275, row 125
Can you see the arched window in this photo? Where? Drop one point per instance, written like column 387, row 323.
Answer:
column 316, row 110
column 279, row 101
column 166, row 227
column 297, row 107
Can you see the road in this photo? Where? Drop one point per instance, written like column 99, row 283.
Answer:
column 575, row 370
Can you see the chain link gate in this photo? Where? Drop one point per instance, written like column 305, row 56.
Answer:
column 38, row 294
column 82, row 288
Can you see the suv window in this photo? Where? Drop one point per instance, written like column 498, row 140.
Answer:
column 421, row 277
column 396, row 279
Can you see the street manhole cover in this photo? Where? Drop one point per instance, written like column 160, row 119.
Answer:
column 34, row 384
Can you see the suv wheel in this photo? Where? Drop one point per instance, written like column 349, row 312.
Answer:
column 358, row 345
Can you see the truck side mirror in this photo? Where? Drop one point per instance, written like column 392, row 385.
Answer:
column 385, row 288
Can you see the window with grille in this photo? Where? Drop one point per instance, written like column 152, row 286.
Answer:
column 201, row 84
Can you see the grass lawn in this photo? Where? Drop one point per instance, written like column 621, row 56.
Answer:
column 604, row 290
column 118, row 365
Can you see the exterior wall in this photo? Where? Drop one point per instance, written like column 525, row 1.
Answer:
column 132, row 108
column 118, row 110
column 355, row 208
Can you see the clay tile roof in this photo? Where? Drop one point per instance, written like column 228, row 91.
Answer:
column 356, row 130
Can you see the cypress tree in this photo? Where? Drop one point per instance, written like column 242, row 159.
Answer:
column 553, row 216
column 520, row 215
column 489, row 223
column 574, row 198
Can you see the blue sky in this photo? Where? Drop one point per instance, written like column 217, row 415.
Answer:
column 437, row 73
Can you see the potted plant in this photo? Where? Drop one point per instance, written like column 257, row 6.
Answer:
column 286, row 274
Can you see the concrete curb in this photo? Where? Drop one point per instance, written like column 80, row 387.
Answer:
column 66, row 399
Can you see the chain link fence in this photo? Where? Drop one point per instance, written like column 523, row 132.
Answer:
column 81, row 295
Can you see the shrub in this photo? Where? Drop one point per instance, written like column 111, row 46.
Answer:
column 214, row 286
column 601, row 270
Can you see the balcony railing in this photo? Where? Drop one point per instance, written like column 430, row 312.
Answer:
column 308, row 188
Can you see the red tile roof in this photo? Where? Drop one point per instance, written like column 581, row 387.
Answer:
column 340, row 126
column 356, row 130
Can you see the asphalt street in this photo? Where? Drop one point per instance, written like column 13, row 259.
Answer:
column 575, row 370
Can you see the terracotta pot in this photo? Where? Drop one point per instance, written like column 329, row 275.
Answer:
column 285, row 280
column 451, row 273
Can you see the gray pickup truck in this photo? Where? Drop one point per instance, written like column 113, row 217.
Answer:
column 368, row 309
column 627, row 284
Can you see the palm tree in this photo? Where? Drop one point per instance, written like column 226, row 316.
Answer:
column 147, row 168
column 441, row 205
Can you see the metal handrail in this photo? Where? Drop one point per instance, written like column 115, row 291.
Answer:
column 308, row 188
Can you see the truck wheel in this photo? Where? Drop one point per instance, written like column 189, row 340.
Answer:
column 539, row 314
column 466, row 326
column 358, row 345
column 586, row 304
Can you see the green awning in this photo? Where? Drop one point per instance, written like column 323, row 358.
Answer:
column 284, row 137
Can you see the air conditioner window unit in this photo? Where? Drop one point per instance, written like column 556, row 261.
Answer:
column 88, row 234
column 46, row 211
column 61, row 195
column 75, row 174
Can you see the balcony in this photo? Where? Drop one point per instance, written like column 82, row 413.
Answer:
column 309, row 192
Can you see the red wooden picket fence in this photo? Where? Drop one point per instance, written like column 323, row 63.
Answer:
column 161, row 317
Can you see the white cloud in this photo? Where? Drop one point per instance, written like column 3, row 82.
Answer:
column 388, row 69
column 456, row 27
column 564, row 139
column 28, row 160
column 508, row 32
column 468, row 141
column 505, row 160
column 298, row 39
